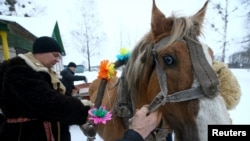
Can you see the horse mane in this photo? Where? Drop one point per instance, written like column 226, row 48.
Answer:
column 140, row 63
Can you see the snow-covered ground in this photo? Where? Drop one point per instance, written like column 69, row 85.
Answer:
column 239, row 115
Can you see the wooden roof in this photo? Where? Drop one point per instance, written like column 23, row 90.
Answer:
column 20, row 38
column 17, row 36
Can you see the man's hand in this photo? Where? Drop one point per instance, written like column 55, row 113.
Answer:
column 85, row 79
column 143, row 123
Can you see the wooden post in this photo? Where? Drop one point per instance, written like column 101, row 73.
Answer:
column 6, row 53
column 100, row 93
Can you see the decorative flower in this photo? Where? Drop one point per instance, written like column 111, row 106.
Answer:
column 124, row 54
column 100, row 115
column 106, row 70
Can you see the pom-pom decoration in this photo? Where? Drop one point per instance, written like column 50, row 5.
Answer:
column 100, row 115
column 124, row 54
column 106, row 70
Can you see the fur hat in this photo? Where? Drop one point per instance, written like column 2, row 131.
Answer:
column 72, row 64
column 229, row 86
column 46, row 44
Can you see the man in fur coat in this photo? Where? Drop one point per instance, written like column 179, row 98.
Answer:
column 32, row 98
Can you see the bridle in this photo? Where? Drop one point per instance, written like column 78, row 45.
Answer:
column 203, row 71
column 124, row 105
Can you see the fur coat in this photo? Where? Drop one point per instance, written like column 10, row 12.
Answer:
column 31, row 97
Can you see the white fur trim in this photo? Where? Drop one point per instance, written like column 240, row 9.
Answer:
column 32, row 64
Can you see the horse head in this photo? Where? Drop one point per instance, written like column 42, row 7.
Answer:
column 172, row 67
column 171, row 70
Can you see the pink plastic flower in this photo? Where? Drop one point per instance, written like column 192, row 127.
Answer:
column 100, row 115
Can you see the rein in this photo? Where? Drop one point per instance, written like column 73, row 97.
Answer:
column 201, row 68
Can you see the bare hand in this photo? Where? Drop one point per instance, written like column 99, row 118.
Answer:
column 143, row 123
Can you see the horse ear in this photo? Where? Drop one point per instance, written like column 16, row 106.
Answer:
column 157, row 24
column 156, row 13
column 198, row 18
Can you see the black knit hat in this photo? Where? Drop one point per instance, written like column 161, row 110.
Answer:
column 72, row 64
column 45, row 44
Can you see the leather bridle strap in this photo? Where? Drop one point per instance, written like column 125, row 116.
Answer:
column 163, row 97
column 185, row 95
column 203, row 70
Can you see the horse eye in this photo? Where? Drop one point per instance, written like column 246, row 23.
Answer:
column 168, row 60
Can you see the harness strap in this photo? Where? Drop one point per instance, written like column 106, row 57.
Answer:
column 123, row 104
column 185, row 95
column 161, row 77
column 203, row 70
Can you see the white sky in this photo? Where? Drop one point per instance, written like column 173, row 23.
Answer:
column 131, row 18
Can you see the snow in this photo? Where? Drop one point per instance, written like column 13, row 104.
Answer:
column 77, row 134
column 239, row 115
column 124, row 17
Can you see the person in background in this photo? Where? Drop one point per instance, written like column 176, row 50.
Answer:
column 68, row 78
column 32, row 97
column 141, row 125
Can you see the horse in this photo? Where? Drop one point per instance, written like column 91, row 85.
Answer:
column 171, row 70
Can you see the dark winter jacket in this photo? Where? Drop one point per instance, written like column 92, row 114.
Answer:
column 29, row 101
column 68, row 78
column 131, row 135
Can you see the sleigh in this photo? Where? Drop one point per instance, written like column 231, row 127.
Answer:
column 82, row 91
